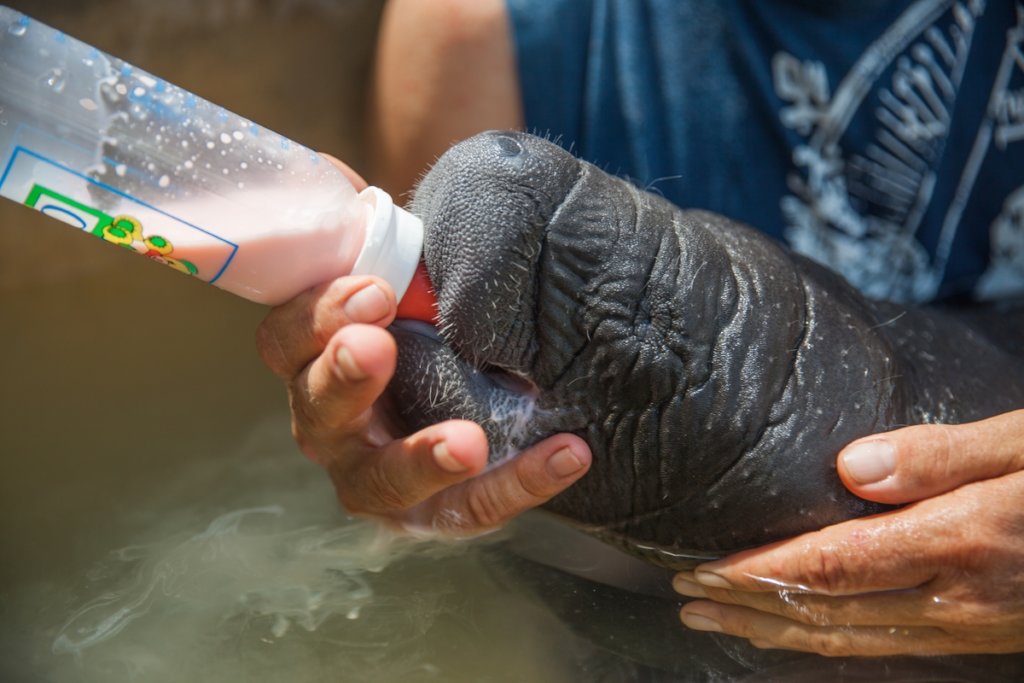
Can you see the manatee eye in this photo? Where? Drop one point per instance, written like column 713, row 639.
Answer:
column 508, row 145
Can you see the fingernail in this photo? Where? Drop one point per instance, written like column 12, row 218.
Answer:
column 870, row 462
column 445, row 460
column 711, row 579
column 685, row 584
column 368, row 305
column 564, row 463
column 348, row 365
column 699, row 622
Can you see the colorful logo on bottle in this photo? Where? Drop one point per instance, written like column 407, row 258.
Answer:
column 122, row 230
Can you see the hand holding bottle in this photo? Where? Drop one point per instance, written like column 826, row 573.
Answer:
column 330, row 347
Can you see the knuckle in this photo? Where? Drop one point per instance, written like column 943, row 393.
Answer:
column 940, row 463
column 825, row 570
column 831, row 643
column 326, row 316
column 379, row 494
column 306, row 417
column 486, row 507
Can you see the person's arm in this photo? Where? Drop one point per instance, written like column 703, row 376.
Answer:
column 445, row 70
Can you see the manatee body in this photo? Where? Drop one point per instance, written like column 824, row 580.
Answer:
column 714, row 373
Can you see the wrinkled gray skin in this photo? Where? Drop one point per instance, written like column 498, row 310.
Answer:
column 714, row 373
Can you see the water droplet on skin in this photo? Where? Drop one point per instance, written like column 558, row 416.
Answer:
column 225, row 138
column 88, row 104
column 121, row 89
column 225, row 171
column 120, row 170
column 189, row 164
column 243, row 165
column 237, row 135
column 139, row 91
column 184, row 143
column 164, row 181
column 211, row 144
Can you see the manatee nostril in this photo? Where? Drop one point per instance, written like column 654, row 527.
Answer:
column 508, row 145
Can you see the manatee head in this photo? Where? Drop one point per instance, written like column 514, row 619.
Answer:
column 714, row 374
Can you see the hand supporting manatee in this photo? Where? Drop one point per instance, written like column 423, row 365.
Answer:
column 714, row 374
column 942, row 575
column 336, row 366
column 330, row 348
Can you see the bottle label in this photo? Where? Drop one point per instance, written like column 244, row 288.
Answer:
column 74, row 198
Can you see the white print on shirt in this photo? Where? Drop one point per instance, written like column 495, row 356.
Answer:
column 1004, row 275
column 859, row 212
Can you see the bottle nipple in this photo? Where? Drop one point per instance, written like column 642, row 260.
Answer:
column 419, row 301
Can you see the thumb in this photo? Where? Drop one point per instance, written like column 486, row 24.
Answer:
column 925, row 460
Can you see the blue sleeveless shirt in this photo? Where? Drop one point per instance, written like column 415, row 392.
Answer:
column 882, row 138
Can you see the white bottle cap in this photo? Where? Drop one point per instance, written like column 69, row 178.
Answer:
column 394, row 241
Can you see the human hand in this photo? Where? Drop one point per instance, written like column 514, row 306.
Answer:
column 330, row 347
column 944, row 575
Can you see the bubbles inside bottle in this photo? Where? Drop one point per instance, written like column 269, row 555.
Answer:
column 18, row 28
column 55, row 79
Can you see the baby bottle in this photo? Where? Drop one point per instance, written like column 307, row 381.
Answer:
column 117, row 152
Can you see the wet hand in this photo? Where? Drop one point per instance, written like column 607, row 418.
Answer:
column 942, row 575
column 330, row 347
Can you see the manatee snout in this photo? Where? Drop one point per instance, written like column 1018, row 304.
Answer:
column 487, row 205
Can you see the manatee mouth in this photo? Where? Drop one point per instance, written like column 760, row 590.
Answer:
column 502, row 378
column 433, row 383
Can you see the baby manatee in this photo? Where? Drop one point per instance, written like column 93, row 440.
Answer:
column 714, row 372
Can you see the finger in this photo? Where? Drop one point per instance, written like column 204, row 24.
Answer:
column 390, row 480
column 489, row 501
column 918, row 462
column 295, row 333
column 357, row 180
column 916, row 607
column 890, row 551
column 771, row 631
column 331, row 398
